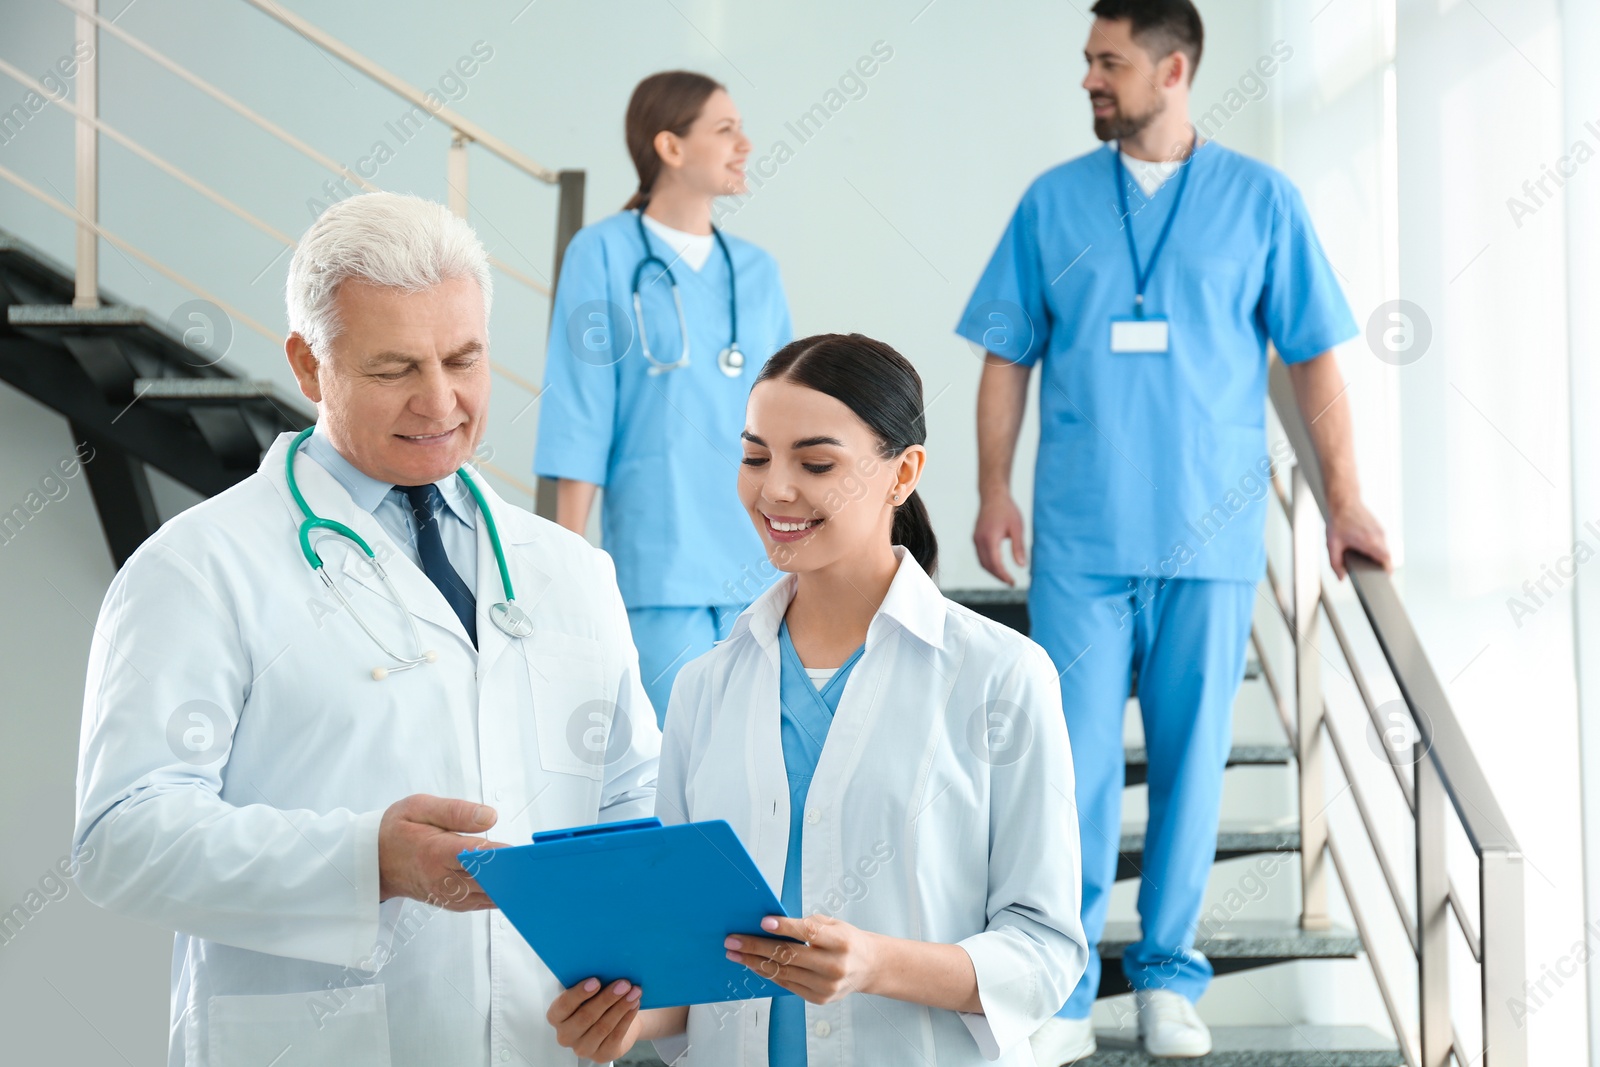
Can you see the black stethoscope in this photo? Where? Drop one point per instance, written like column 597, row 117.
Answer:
column 730, row 360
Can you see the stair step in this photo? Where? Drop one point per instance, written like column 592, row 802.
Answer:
column 1250, row 939
column 1138, row 762
column 148, row 334
column 60, row 316
column 52, row 322
column 1262, row 1046
column 1237, row 945
column 1233, row 840
column 1232, row 1046
column 203, row 389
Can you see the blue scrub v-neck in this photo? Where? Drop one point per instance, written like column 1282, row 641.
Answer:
column 807, row 713
column 1153, row 463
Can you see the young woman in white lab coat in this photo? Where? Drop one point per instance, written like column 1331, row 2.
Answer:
column 896, row 763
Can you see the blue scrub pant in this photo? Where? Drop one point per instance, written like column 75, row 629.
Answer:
column 1186, row 640
column 667, row 638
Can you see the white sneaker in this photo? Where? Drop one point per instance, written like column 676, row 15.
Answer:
column 1169, row 1025
column 1061, row 1041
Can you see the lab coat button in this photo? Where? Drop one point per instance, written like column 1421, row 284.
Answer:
column 499, row 794
column 505, row 1054
column 813, row 816
column 823, row 1029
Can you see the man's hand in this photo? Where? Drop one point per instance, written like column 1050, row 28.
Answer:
column 1000, row 520
column 418, row 841
column 598, row 1024
column 836, row 960
column 1352, row 528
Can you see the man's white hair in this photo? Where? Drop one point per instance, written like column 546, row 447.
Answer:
column 393, row 240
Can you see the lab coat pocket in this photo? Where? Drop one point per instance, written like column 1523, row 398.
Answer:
column 574, row 708
column 315, row 1029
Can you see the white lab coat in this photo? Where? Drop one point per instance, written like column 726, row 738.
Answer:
column 941, row 810
column 237, row 757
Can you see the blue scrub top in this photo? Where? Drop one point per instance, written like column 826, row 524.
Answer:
column 665, row 447
column 807, row 714
column 1154, row 464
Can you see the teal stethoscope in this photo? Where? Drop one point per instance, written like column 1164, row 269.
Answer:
column 506, row 615
column 730, row 360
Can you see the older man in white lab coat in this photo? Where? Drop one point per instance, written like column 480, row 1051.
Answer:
column 284, row 772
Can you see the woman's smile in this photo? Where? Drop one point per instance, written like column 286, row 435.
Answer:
column 788, row 528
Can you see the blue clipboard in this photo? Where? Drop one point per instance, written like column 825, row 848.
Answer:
column 636, row 900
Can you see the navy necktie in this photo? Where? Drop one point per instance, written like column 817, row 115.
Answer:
column 426, row 504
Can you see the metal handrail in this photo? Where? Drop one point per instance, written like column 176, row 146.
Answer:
column 322, row 159
column 204, row 190
column 1369, row 823
column 1438, row 726
column 143, row 153
column 173, row 276
column 143, row 257
column 89, row 127
column 1364, row 931
column 462, row 125
column 1360, row 681
column 1446, row 778
column 1464, row 921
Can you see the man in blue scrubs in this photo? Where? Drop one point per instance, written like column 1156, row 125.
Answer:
column 1147, row 278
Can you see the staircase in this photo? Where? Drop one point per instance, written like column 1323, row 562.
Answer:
column 1233, row 944
column 134, row 392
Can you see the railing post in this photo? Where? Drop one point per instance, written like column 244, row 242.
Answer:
column 1505, row 963
column 456, row 174
column 569, row 220
column 86, row 290
column 1433, row 914
column 1306, row 579
column 569, row 217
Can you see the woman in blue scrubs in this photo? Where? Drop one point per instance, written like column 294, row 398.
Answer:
column 897, row 764
column 660, row 324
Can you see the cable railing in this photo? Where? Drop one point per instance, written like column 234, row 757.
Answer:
column 1445, row 782
column 84, row 211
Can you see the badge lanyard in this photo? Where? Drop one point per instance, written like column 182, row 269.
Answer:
column 1142, row 275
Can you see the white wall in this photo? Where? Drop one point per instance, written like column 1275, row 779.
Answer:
column 1486, row 434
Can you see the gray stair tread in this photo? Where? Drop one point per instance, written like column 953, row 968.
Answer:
column 1250, row 939
column 1233, row 837
column 65, row 315
column 203, row 388
column 1240, row 755
column 1264, row 1046
column 47, row 322
column 1232, row 1046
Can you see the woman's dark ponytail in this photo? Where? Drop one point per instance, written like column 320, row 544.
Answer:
column 885, row 392
column 671, row 100
column 914, row 529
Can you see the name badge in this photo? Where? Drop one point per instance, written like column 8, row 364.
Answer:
column 1140, row 335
